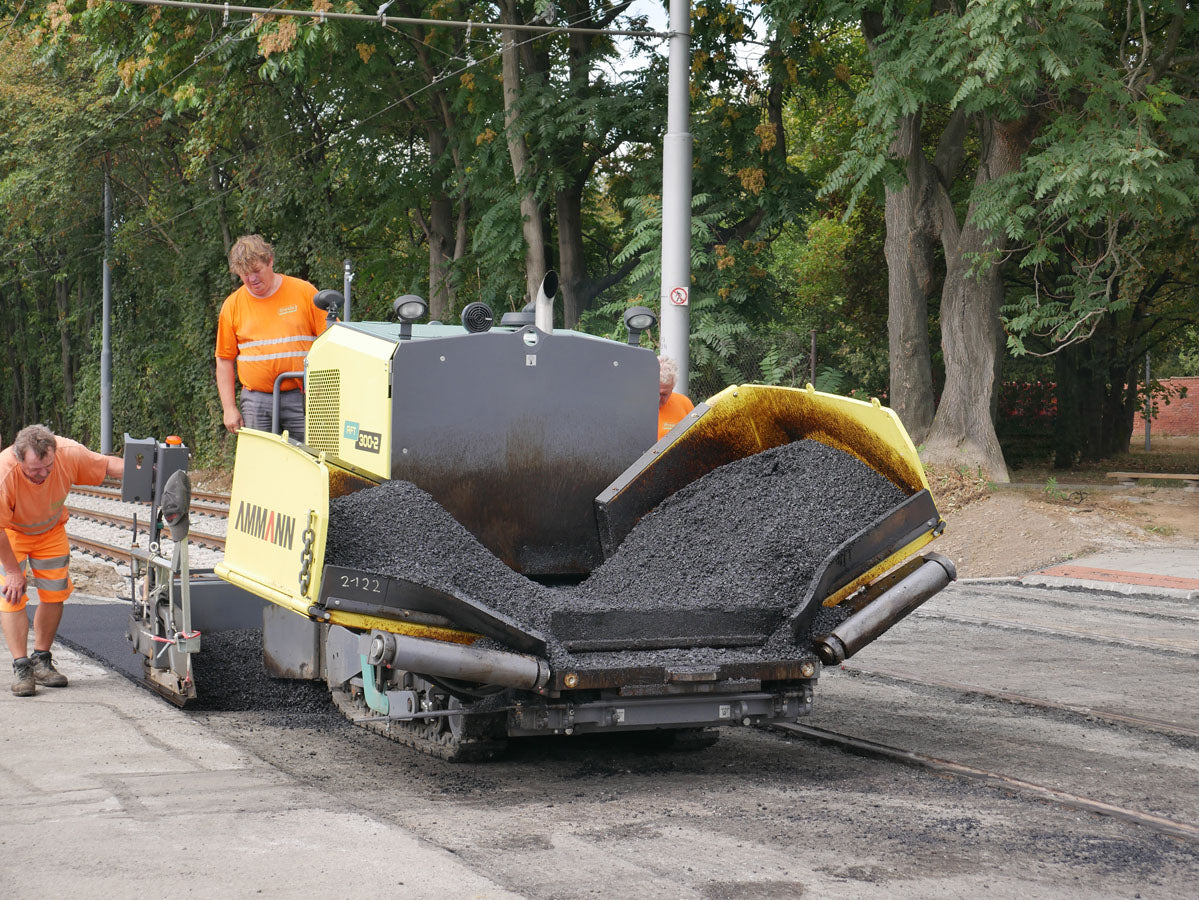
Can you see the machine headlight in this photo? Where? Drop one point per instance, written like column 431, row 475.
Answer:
column 638, row 319
column 330, row 301
column 409, row 308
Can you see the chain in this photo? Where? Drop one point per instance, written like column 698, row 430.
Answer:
column 306, row 554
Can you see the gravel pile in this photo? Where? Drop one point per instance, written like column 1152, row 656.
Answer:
column 750, row 533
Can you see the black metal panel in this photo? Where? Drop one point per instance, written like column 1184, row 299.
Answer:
column 624, row 629
column 217, row 605
column 515, row 433
column 915, row 516
column 652, row 478
column 585, row 677
column 353, row 590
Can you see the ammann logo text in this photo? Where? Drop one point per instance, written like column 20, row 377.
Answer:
column 265, row 524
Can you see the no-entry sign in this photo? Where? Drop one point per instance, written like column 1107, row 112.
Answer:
column 678, row 296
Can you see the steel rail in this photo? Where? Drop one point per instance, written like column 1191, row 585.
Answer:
column 1024, row 700
column 1160, row 824
column 99, row 548
column 213, row 541
column 1007, row 625
column 107, row 492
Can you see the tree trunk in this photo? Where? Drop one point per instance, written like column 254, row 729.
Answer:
column 221, row 216
column 441, row 237
column 909, row 249
column 572, row 263
column 963, row 430
column 518, row 150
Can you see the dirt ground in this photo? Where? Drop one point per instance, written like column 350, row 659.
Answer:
column 1014, row 532
column 1048, row 516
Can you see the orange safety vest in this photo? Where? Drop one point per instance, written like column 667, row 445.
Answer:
column 269, row 335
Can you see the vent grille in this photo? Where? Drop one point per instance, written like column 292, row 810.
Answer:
column 323, row 420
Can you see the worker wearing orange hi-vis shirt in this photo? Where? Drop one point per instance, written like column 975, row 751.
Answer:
column 36, row 474
column 265, row 330
column 672, row 407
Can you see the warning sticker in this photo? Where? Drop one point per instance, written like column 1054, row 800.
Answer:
column 678, row 296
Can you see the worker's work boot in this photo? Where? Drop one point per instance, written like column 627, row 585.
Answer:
column 23, row 684
column 44, row 671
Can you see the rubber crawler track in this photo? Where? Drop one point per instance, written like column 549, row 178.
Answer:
column 426, row 735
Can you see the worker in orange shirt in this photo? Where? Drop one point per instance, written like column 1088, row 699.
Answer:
column 265, row 329
column 36, row 474
column 672, row 407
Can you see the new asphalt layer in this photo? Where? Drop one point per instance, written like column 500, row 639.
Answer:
column 107, row 790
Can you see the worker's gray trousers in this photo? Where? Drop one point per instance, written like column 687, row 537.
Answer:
column 256, row 411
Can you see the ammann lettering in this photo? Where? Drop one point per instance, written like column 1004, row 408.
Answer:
column 265, row 524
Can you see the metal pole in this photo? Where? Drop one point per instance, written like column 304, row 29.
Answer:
column 1148, row 404
column 675, row 296
column 105, row 327
column 346, row 278
column 812, row 359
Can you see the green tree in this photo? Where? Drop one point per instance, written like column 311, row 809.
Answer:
column 1032, row 95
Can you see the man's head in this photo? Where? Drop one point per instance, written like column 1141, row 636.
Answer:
column 35, row 447
column 668, row 374
column 252, row 260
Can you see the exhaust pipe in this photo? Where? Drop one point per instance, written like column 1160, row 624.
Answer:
column 872, row 620
column 440, row 659
column 543, row 310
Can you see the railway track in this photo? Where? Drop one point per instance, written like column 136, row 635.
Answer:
column 1091, row 622
column 104, row 550
column 206, row 502
column 216, row 542
column 850, row 743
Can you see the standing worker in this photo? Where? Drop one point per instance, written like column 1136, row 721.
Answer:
column 36, row 474
column 672, row 407
column 266, row 326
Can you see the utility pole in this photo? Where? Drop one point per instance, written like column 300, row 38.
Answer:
column 347, row 278
column 675, row 299
column 106, row 325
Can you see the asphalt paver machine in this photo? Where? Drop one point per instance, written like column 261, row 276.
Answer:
column 541, row 444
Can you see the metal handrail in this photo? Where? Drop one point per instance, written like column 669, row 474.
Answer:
column 279, row 379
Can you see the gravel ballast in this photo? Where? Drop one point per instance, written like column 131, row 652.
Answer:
column 748, row 534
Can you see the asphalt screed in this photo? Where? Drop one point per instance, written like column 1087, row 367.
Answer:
column 747, row 534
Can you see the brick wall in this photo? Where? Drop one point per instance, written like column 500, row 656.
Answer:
column 1181, row 417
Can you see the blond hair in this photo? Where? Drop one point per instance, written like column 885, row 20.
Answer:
column 668, row 371
column 37, row 438
column 248, row 253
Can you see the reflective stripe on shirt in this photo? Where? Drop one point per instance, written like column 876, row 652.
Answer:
column 254, row 357
column 38, row 527
column 304, row 338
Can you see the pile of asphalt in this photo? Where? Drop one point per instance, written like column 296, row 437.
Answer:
column 748, row 534
column 230, row 677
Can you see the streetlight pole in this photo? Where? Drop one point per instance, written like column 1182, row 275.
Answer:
column 106, row 325
column 675, row 296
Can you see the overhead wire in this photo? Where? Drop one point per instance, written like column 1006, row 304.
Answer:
column 469, row 64
column 205, row 52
